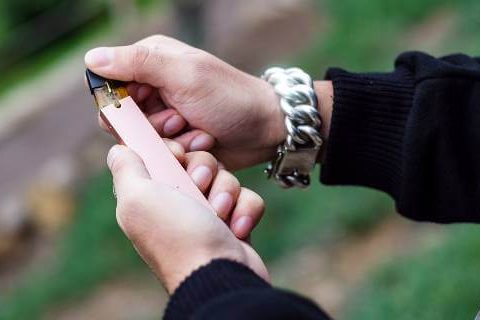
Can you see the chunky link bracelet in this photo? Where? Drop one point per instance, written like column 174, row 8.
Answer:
column 297, row 157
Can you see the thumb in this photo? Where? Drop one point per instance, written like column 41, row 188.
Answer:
column 126, row 167
column 127, row 63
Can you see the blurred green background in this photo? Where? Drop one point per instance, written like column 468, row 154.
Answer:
column 346, row 248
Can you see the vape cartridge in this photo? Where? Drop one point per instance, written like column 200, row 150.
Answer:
column 106, row 92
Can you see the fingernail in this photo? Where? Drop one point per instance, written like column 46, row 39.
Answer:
column 201, row 142
column 99, row 57
column 112, row 155
column 222, row 204
column 173, row 125
column 202, row 176
column 242, row 227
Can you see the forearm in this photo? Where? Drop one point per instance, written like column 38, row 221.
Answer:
column 324, row 91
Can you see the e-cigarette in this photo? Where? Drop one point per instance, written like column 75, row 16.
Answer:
column 130, row 127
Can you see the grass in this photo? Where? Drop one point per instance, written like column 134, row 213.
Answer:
column 440, row 283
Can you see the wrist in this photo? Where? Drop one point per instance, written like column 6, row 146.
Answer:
column 182, row 266
column 325, row 94
column 274, row 123
column 324, row 91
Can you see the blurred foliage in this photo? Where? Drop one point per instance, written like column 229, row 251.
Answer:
column 364, row 33
column 440, row 283
column 33, row 35
column 17, row 12
column 29, row 68
column 147, row 4
column 319, row 215
column 92, row 251
column 27, row 50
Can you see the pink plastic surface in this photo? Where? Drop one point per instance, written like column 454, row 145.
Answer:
column 132, row 128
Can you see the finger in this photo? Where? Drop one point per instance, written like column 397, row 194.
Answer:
column 167, row 122
column 126, row 167
column 177, row 150
column 224, row 193
column 196, row 140
column 247, row 213
column 129, row 63
column 221, row 166
column 144, row 91
column 202, row 168
column 153, row 103
column 132, row 89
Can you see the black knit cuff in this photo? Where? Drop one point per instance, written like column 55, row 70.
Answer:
column 217, row 278
column 367, row 131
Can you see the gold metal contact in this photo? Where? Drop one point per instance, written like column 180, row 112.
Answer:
column 109, row 94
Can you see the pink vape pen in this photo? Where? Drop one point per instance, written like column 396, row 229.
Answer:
column 130, row 127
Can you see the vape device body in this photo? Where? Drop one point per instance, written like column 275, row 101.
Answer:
column 130, row 127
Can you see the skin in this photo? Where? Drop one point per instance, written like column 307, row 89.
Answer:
column 203, row 104
column 173, row 233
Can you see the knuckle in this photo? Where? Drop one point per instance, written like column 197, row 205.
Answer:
column 140, row 55
column 201, row 58
column 144, row 60
column 205, row 158
column 190, row 89
column 234, row 182
column 155, row 39
column 202, row 64
column 118, row 164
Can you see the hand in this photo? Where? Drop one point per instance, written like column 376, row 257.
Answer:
column 197, row 99
column 238, row 207
column 173, row 233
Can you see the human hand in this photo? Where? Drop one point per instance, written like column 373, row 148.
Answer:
column 239, row 207
column 198, row 100
column 173, row 233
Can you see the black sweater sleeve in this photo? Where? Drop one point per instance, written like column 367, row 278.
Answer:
column 413, row 133
column 225, row 289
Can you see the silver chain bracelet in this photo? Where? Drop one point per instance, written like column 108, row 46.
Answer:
column 297, row 157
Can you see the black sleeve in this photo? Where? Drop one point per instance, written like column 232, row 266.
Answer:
column 225, row 289
column 413, row 133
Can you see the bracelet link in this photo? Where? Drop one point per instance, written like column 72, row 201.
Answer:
column 291, row 168
column 297, row 157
